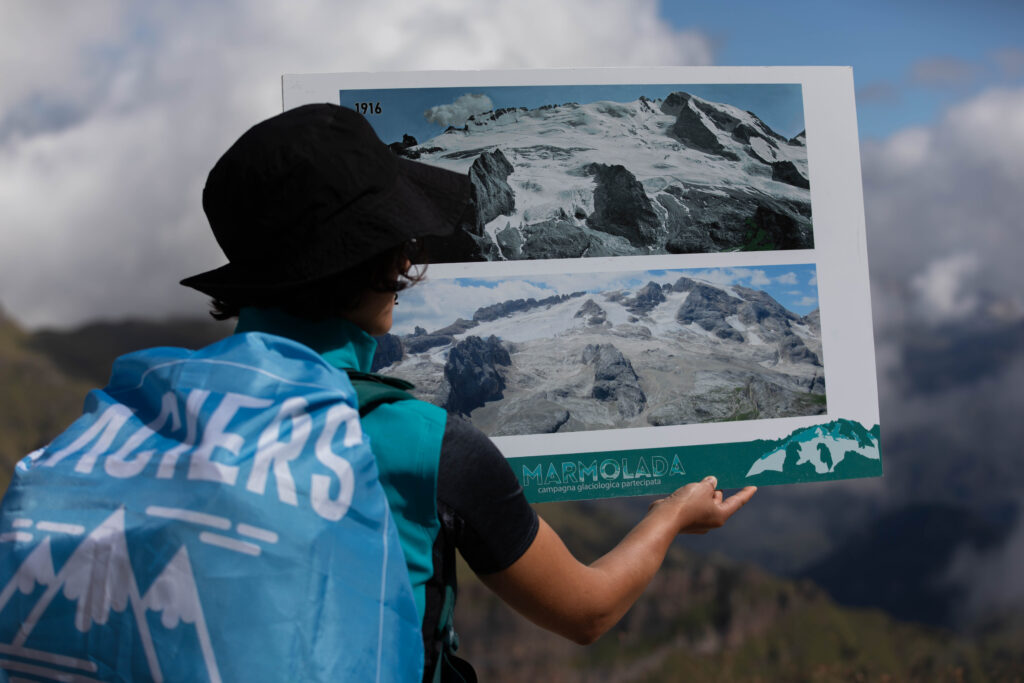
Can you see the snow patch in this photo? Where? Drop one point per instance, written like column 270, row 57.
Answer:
column 763, row 149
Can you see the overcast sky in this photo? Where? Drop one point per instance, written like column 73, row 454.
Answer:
column 111, row 113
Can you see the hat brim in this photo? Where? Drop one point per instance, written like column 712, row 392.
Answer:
column 424, row 201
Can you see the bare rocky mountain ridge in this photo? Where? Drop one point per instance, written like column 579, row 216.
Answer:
column 679, row 175
column 660, row 354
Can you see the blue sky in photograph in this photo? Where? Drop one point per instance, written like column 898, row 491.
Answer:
column 402, row 110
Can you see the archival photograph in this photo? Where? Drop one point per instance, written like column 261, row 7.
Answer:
column 568, row 353
column 609, row 170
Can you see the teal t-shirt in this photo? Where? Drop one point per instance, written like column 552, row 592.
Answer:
column 405, row 436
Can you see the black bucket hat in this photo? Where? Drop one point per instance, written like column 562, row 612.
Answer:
column 312, row 192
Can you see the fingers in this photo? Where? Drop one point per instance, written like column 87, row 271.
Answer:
column 738, row 500
column 705, row 514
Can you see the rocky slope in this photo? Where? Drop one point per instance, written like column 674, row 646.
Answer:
column 672, row 353
column 679, row 175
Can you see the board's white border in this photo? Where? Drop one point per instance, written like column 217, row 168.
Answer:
column 840, row 251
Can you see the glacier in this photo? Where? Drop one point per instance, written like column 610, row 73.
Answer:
column 679, row 175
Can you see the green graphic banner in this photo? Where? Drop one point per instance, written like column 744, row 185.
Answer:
column 841, row 449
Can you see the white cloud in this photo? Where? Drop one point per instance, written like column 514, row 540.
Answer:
column 759, row 279
column 46, row 44
column 109, row 125
column 456, row 113
column 813, row 282
column 438, row 303
column 934, row 194
column 807, row 301
column 787, row 278
column 941, row 287
column 732, row 276
column 908, row 148
column 594, row 282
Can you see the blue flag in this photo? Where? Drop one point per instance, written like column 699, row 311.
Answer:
column 214, row 515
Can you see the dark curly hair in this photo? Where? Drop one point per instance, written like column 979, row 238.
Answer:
column 333, row 296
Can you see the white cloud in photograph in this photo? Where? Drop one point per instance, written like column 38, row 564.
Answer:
column 759, row 279
column 732, row 276
column 459, row 111
column 787, row 279
column 437, row 303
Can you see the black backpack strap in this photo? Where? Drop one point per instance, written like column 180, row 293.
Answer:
column 439, row 631
column 373, row 390
column 451, row 669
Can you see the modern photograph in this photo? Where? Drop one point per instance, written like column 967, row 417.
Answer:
column 565, row 353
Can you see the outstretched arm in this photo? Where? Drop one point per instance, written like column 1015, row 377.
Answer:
column 554, row 590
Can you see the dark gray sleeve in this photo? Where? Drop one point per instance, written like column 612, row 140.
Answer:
column 493, row 525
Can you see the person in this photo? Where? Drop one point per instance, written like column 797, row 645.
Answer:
column 323, row 226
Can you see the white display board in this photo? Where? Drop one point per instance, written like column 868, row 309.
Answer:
column 665, row 275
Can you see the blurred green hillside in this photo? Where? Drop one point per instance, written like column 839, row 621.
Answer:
column 37, row 399
column 44, row 376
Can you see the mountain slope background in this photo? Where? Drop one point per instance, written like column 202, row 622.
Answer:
column 37, row 399
column 45, row 375
column 710, row 618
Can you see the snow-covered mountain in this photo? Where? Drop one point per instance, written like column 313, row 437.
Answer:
column 659, row 354
column 679, row 175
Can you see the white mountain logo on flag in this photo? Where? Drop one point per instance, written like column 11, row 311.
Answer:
column 98, row 577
